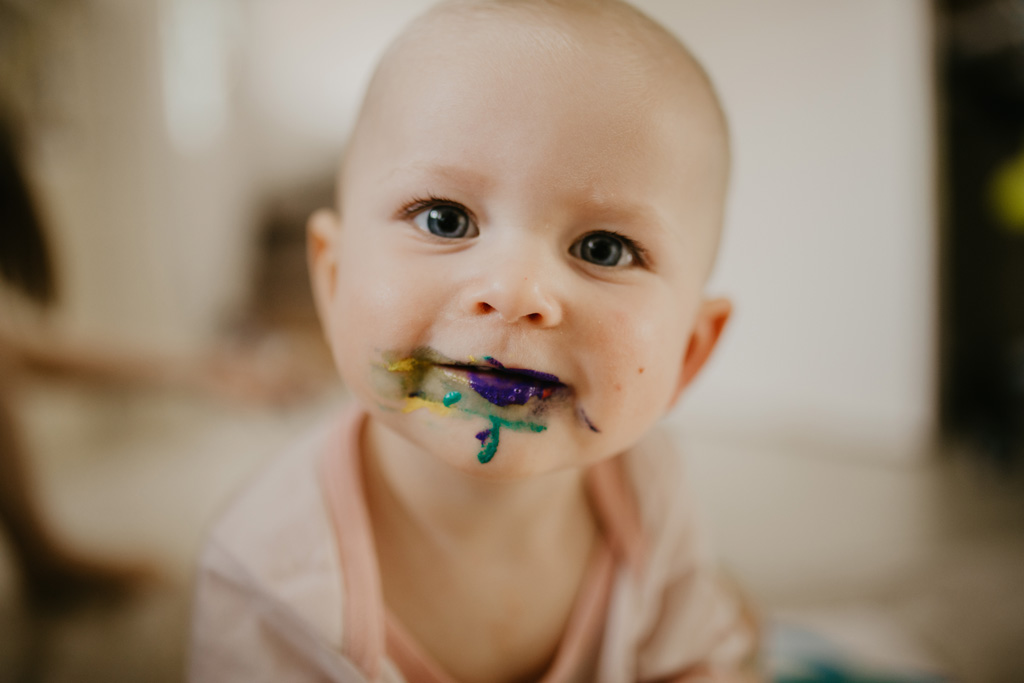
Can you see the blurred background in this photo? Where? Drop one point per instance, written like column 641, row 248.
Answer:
column 856, row 444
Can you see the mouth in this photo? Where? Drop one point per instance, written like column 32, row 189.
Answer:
column 505, row 386
column 521, row 396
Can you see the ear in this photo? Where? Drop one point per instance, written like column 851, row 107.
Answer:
column 321, row 232
column 707, row 330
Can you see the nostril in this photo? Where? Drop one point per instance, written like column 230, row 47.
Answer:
column 534, row 317
column 484, row 307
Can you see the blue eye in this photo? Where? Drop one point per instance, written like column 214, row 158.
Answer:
column 604, row 249
column 445, row 220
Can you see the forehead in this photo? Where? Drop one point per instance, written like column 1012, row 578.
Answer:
column 543, row 103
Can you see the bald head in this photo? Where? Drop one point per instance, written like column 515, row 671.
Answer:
column 593, row 50
column 645, row 53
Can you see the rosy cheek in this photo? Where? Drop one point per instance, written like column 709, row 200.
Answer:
column 645, row 353
column 378, row 298
column 632, row 340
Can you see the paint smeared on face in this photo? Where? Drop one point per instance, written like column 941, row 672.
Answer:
column 489, row 438
column 504, row 386
column 586, row 421
column 509, row 398
column 503, row 390
column 543, row 376
column 416, row 402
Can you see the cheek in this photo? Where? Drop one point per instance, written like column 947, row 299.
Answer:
column 642, row 361
column 366, row 308
column 379, row 294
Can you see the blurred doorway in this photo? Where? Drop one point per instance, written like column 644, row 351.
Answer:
column 982, row 74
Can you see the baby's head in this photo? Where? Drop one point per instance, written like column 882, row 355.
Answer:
column 528, row 211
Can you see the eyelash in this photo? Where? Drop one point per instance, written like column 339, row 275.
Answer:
column 420, row 204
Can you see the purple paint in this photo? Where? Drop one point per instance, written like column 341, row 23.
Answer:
column 503, row 389
column 535, row 374
column 484, row 435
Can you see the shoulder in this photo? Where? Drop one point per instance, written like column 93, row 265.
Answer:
column 282, row 503
column 684, row 614
column 655, row 472
column 274, row 542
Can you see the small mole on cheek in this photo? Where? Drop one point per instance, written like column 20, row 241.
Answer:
column 640, row 371
column 618, row 387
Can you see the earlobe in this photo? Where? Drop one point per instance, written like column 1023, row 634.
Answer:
column 321, row 230
column 707, row 330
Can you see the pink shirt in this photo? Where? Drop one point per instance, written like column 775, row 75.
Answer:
column 288, row 587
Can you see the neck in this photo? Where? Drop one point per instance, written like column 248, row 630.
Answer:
column 457, row 510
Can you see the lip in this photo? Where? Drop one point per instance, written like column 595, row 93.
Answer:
column 504, row 386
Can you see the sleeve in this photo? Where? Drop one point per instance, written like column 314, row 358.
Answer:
column 706, row 616
column 241, row 633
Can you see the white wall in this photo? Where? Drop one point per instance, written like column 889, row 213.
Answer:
column 151, row 235
column 830, row 250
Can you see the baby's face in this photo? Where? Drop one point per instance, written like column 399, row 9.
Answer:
column 518, row 265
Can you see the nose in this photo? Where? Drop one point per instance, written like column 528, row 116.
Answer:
column 516, row 290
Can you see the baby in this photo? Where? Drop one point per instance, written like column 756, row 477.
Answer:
column 512, row 285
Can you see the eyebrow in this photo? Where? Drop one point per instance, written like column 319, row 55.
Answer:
column 457, row 174
column 622, row 212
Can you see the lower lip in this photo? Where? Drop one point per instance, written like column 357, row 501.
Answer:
column 505, row 389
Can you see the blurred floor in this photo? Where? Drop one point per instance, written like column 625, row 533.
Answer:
column 917, row 563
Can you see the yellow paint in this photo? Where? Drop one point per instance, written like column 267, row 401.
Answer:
column 416, row 402
column 404, row 365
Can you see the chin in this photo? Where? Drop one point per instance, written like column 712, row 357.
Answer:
column 469, row 445
column 511, row 464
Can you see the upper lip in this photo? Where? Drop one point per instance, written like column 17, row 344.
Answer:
column 490, row 365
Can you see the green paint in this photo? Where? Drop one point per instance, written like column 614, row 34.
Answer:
column 490, row 446
column 408, row 377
